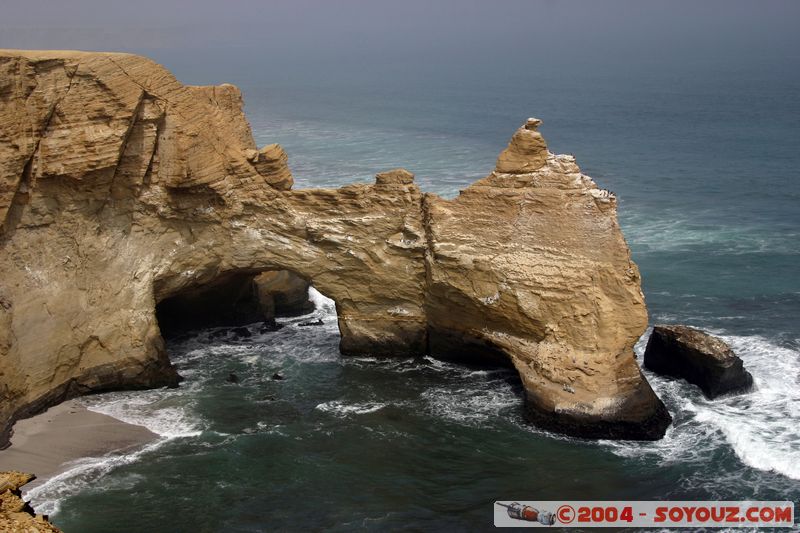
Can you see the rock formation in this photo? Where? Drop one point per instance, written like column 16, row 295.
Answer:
column 282, row 293
column 15, row 513
column 120, row 188
column 697, row 357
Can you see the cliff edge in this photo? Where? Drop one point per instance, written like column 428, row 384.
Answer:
column 120, row 188
column 16, row 515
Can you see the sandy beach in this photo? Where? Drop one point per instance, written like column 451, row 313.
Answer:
column 43, row 444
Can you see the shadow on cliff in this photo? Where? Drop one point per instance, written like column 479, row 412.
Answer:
column 235, row 299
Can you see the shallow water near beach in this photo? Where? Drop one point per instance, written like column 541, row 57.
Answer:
column 705, row 164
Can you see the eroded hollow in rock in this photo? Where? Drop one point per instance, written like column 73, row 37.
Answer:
column 241, row 297
column 234, row 299
column 466, row 350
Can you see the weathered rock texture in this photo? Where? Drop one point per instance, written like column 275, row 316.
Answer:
column 282, row 293
column 120, row 187
column 697, row 357
column 15, row 514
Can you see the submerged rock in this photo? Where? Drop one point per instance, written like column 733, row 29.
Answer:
column 277, row 376
column 232, row 378
column 121, row 188
column 317, row 322
column 241, row 333
column 269, row 326
column 697, row 357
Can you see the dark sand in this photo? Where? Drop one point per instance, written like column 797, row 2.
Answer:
column 43, row 444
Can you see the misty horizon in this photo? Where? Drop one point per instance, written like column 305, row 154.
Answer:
column 316, row 41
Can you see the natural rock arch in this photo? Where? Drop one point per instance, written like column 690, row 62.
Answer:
column 120, row 187
column 362, row 246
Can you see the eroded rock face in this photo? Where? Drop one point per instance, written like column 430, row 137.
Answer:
column 15, row 513
column 699, row 358
column 533, row 264
column 120, row 187
column 527, row 151
column 282, row 293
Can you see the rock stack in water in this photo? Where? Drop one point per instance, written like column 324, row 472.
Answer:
column 121, row 188
column 697, row 357
column 529, row 265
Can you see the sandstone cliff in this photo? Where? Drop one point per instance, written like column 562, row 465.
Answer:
column 120, row 187
column 16, row 515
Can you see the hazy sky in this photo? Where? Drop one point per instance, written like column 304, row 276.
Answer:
column 250, row 37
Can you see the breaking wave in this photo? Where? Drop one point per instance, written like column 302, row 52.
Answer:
column 761, row 427
column 344, row 409
column 81, row 473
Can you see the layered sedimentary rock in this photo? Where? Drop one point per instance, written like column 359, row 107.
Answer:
column 121, row 188
column 699, row 358
column 530, row 262
column 16, row 515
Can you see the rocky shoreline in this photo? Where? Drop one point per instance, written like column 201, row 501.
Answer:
column 16, row 515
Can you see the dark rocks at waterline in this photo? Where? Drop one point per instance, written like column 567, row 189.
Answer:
column 269, row 326
column 640, row 415
column 241, row 332
column 317, row 322
column 697, row 357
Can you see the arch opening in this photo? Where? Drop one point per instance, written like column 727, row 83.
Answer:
column 246, row 296
column 235, row 299
column 467, row 350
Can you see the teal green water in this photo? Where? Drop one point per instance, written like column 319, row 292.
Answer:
column 705, row 163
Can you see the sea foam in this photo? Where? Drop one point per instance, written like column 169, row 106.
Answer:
column 761, row 427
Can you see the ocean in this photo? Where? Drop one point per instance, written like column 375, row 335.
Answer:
column 705, row 162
